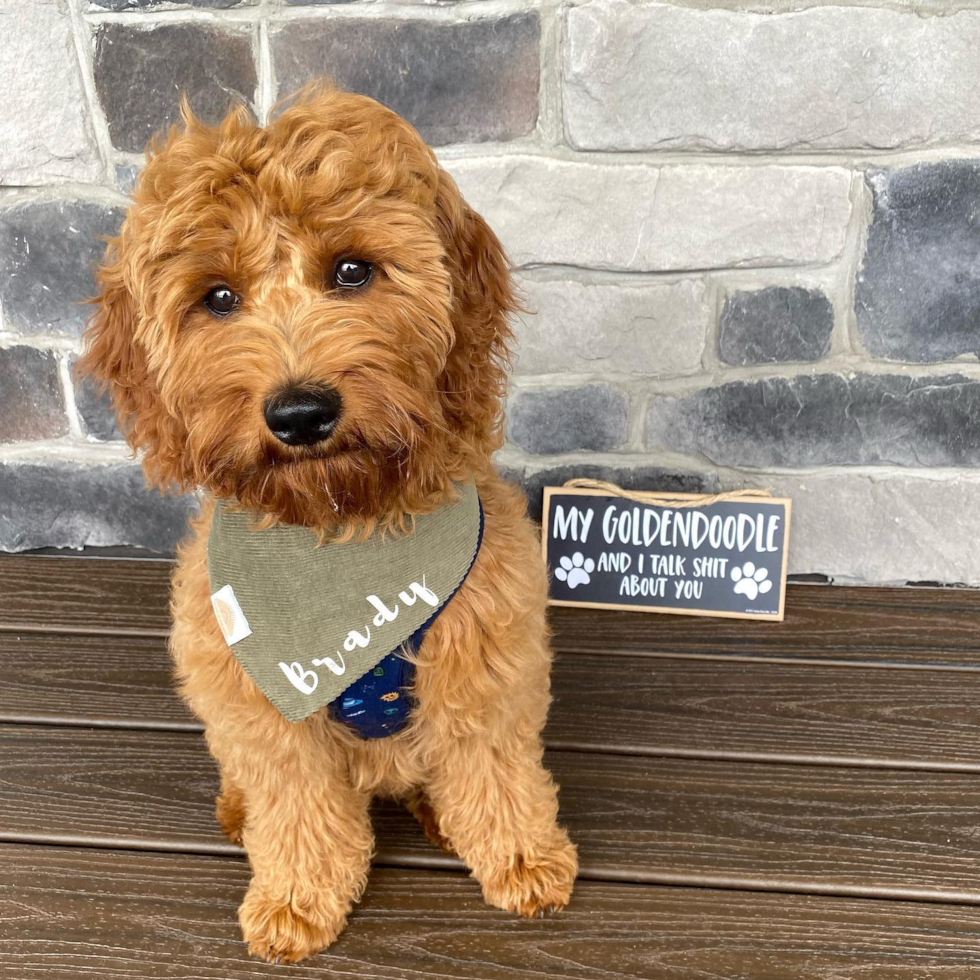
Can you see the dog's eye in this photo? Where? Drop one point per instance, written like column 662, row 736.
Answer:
column 352, row 273
column 221, row 301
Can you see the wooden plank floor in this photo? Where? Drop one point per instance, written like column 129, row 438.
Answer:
column 769, row 801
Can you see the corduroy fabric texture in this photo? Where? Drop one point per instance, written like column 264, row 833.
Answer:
column 307, row 621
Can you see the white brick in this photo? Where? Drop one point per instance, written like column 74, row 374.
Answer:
column 652, row 329
column 887, row 529
column 640, row 76
column 44, row 134
column 639, row 217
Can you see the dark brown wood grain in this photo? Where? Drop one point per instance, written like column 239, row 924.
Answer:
column 709, row 709
column 118, row 915
column 807, row 792
column 830, row 623
column 84, row 595
column 71, row 679
column 816, row 714
column 859, row 625
column 799, row 828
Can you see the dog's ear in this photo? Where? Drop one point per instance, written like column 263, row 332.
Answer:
column 111, row 356
column 116, row 360
column 474, row 380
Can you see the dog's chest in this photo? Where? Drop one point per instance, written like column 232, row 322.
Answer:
column 316, row 625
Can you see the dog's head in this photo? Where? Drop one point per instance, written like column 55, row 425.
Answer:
column 306, row 316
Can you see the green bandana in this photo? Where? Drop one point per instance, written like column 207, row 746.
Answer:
column 306, row 621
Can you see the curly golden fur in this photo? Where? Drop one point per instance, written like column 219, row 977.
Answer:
column 418, row 356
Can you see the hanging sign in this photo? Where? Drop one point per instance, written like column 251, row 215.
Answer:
column 696, row 555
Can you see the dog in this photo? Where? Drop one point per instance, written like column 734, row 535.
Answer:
column 326, row 265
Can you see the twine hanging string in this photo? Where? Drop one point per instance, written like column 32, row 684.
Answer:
column 664, row 499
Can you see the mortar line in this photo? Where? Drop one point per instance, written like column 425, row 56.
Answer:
column 68, row 394
column 67, row 191
column 65, row 449
column 845, row 158
column 855, row 239
column 924, row 10
column 513, row 456
column 266, row 89
column 461, row 11
column 549, row 74
column 688, row 382
column 83, row 40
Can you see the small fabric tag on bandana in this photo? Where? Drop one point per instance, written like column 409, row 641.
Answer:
column 231, row 619
column 306, row 620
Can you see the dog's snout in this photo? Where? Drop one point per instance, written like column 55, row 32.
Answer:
column 303, row 416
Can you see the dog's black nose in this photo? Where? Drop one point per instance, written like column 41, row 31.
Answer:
column 303, row 416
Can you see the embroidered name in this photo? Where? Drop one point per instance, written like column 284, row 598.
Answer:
column 305, row 680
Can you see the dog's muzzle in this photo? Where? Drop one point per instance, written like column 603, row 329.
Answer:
column 303, row 416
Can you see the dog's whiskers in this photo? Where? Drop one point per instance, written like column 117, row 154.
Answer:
column 333, row 503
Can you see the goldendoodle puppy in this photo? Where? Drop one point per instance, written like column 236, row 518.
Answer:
column 307, row 322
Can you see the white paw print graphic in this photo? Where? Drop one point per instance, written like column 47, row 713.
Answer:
column 751, row 581
column 575, row 571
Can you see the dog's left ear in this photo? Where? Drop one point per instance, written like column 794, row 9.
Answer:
column 474, row 380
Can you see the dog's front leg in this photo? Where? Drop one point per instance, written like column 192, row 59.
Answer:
column 498, row 807
column 308, row 837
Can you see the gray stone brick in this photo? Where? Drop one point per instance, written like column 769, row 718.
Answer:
column 640, row 476
column 562, row 420
column 823, row 419
column 653, row 329
column 126, row 174
column 140, row 74
column 75, row 505
column 918, row 292
column 653, row 76
column 643, row 218
column 889, row 529
column 463, row 82
column 94, row 408
column 778, row 323
column 30, row 395
column 48, row 251
column 45, row 133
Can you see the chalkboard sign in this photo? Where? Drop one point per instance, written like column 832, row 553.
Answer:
column 727, row 558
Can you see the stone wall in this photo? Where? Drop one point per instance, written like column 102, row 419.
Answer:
column 751, row 234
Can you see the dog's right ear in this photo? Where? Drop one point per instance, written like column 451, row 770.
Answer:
column 111, row 356
column 116, row 360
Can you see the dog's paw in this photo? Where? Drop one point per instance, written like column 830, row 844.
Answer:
column 229, row 808
column 283, row 928
column 534, row 884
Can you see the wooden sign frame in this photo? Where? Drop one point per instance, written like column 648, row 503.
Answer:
column 549, row 492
